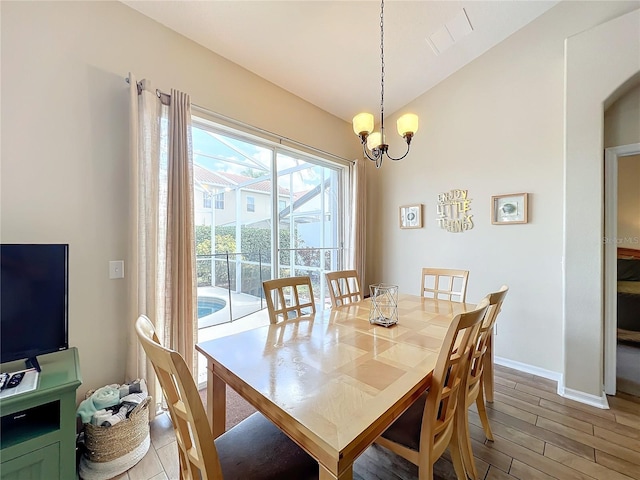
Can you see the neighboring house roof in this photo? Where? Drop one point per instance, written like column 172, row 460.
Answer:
column 203, row 175
column 225, row 179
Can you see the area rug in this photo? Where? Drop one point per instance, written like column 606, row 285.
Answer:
column 237, row 407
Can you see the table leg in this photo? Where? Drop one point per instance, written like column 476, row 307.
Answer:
column 216, row 402
column 327, row 475
column 487, row 375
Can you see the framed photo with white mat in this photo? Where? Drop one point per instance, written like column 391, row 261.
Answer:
column 509, row 209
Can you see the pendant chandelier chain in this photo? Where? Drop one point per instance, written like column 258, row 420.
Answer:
column 382, row 69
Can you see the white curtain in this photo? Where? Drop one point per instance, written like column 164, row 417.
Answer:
column 180, row 282
column 161, row 248
column 356, row 259
column 144, row 133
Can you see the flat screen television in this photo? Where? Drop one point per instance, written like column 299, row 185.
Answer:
column 34, row 301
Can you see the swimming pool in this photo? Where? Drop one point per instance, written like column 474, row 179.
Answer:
column 209, row 305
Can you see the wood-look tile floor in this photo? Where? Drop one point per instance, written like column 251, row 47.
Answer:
column 538, row 435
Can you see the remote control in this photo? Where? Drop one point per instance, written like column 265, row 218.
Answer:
column 15, row 380
column 3, row 380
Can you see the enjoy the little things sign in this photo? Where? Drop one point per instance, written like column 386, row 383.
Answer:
column 453, row 211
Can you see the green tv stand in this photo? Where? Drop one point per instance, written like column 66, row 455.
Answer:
column 38, row 435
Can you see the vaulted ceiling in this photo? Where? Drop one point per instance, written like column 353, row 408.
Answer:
column 328, row 52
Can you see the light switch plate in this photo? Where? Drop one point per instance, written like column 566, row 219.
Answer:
column 116, row 269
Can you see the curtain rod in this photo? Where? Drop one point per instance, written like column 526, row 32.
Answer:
column 161, row 95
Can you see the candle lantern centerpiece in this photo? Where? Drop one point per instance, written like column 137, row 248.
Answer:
column 384, row 304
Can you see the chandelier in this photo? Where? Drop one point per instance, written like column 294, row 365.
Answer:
column 374, row 145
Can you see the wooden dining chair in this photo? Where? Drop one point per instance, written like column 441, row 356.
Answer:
column 344, row 287
column 444, row 283
column 289, row 297
column 253, row 449
column 475, row 380
column 425, row 430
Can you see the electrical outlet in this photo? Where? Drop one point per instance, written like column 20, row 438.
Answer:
column 116, row 269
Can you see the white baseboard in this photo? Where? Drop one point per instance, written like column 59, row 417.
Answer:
column 526, row 368
column 578, row 396
column 587, row 398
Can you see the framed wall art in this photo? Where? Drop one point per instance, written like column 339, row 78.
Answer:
column 411, row 216
column 509, row 209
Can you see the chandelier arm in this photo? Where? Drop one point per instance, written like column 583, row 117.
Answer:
column 377, row 154
column 399, row 158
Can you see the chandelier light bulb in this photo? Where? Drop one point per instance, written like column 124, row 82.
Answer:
column 363, row 123
column 374, row 140
column 407, row 124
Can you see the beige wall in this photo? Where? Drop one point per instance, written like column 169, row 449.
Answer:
column 629, row 202
column 494, row 127
column 64, row 175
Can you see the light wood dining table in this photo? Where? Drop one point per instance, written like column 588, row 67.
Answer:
column 331, row 381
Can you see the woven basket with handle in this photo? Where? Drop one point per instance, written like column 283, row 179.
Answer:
column 104, row 444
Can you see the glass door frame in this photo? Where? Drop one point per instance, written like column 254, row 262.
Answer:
column 275, row 145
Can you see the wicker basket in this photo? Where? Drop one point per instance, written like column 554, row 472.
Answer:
column 104, row 444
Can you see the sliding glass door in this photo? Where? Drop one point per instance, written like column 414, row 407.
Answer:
column 261, row 211
column 310, row 231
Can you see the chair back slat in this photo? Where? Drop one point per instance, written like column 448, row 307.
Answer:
column 444, row 284
column 344, row 287
column 290, row 297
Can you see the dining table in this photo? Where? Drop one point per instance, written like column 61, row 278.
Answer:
column 332, row 381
